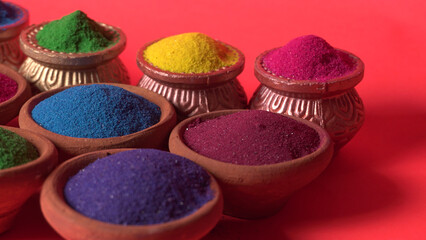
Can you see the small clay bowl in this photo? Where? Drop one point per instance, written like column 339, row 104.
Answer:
column 70, row 224
column 46, row 69
column 334, row 105
column 195, row 93
column 18, row 183
column 253, row 192
column 152, row 137
column 10, row 108
column 10, row 53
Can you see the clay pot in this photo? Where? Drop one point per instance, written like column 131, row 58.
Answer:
column 47, row 69
column 10, row 53
column 9, row 109
column 72, row 225
column 195, row 93
column 18, row 183
column 256, row 191
column 334, row 105
column 152, row 137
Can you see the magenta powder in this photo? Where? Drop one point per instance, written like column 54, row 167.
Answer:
column 308, row 58
column 8, row 88
column 252, row 137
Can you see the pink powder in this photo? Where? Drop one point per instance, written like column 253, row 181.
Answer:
column 308, row 58
column 8, row 88
column 251, row 137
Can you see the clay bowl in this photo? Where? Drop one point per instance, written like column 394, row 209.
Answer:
column 152, row 137
column 256, row 191
column 10, row 108
column 10, row 53
column 334, row 105
column 46, row 69
column 195, row 93
column 72, row 225
column 18, row 183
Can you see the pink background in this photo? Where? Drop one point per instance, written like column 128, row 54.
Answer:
column 376, row 186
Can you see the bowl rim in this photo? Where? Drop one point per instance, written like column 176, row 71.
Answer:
column 167, row 112
column 44, row 146
column 176, row 141
column 61, row 174
column 13, row 29
column 331, row 86
column 211, row 78
column 30, row 47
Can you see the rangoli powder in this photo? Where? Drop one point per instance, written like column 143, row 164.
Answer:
column 8, row 14
column 251, row 137
column 190, row 53
column 139, row 187
column 308, row 58
column 8, row 88
column 74, row 33
column 95, row 111
column 15, row 150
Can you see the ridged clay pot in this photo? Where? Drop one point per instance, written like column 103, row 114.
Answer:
column 46, row 69
column 152, row 137
column 72, row 225
column 334, row 104
column 195, row 93
column 259, row 191
column 18, row 183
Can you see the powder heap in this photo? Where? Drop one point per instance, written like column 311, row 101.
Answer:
column 95, row 111
column 139, row 187
column 308, row 58
column 251, row 137
column 15, row 150
column 8, row 88
column 8, row 14
column 190, row 53
column 74, row 33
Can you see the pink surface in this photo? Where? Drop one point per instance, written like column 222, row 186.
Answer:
column 375, row 188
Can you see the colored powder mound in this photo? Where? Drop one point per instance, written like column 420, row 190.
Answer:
column 8, row 88
column 15, row 150
column 95, row 111
column 190, row 53
column 8, row 14
column 74, row 33
column 139, row 187
column 251, row 137
column 308, row 58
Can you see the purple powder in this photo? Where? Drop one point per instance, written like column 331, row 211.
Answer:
column 8, row 88
column 139, row 187
column 308, row 58
column 252, row 137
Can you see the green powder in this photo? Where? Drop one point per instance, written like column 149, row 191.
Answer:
column 74, row 33
column 15, row 150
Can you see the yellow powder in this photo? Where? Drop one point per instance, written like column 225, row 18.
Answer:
column 190, row 53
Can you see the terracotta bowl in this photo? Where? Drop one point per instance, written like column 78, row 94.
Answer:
column 18, row 183
column 256, row 191
column 196, row 93
column 334, row 105
column 152, row 137
column 10, row 53
column 72, row 225
column 46, row 69
column 10, row 108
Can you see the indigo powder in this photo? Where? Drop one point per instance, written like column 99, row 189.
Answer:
column 252, row 137
column 8, row 13
column 15, row 150
column 95, row 111
column 8, row 88
column 139, row 187
column 308, row 58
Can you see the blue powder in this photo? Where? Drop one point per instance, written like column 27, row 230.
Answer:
column 139, row 187
column 95, row 111
column 8, row 13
